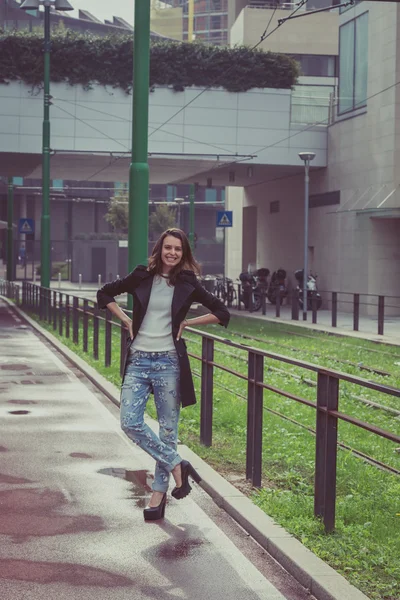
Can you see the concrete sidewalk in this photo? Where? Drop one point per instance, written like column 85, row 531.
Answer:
column 72, row 490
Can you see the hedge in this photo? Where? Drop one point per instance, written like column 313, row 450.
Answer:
column 86, row 59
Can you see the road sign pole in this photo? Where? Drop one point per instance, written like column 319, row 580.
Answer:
column 139, row 168
column 10, row 241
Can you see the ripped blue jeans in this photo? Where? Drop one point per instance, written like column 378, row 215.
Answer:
column 157, row 372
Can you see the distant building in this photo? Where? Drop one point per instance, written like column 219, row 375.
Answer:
column 13, row 18
column 210, row 20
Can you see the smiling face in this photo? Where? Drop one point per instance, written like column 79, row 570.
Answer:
column 171, row 253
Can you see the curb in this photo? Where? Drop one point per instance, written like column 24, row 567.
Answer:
column 313, row 573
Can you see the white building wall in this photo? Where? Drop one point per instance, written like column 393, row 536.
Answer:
column 233, row 235
column 215, row 122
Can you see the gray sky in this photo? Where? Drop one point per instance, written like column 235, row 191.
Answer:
column 106, row 9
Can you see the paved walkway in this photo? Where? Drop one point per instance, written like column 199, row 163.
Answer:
column 72, row 490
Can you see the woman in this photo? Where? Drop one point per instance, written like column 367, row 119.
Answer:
column 157, row 360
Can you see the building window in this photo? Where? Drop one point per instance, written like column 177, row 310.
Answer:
column 171, row 193
column 216, row 22
column 316, row 65
column 58, row 183
column 274, row 206
column 326, row 199
column 353, row 64
column 211, row 195
column 18, row 181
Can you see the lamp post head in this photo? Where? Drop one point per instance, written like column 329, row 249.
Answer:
column 179, row 201
column 57, row 4
column 307, row 156
column 30, row 5
column 63, row 5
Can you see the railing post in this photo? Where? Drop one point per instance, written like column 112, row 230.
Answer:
column 96, row 333
column 107, row 355
column 238, row 297
column 207, row 381
column 75, row 320
column 254, row 419
column 278, row 303
column 85, row 325
column 326, row 450
column 49, row 307
column 356, row 311
column 314, row 307
column 334, row 309
column 67, row 315
column 295, row 305
column 54, row 310
column 122, row 354
column 60, row 314
column 381, row 314
column 41, row 303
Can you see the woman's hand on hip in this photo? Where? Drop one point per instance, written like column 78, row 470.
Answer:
column 181, row 328
column 128, row 324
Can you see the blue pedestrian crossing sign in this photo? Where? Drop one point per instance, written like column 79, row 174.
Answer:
column 26, row 226
column 224, row 218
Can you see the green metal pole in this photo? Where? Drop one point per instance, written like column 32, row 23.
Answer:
column 10, row 241
column 192, row 195
column 45, row 223
column 139, row 168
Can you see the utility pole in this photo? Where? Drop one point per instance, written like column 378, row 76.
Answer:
column 10, row 241
column 139, row 168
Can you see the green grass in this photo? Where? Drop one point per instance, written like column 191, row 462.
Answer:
column 365, row 546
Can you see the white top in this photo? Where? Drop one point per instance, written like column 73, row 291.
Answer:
column 155, row 333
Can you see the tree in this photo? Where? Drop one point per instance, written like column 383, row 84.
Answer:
column 118, row 211
column 164, row 217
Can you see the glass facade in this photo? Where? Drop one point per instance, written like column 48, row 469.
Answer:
column 210, row 20
column 353, row 64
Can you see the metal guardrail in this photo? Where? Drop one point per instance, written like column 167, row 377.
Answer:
column 66, row 313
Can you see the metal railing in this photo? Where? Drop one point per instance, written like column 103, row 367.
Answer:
column 72, row 317
column 375, row 306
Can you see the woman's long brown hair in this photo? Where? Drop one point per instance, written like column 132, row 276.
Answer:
column 187, row 261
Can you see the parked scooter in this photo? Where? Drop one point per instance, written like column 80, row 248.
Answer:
column 253, row 286
column 312, row 290
column 277, row 284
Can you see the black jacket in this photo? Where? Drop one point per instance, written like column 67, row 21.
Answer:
column 187, row 290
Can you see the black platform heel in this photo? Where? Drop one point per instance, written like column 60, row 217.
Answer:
column 185, row 488
column 154, row 513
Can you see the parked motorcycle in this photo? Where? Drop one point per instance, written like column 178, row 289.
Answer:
column 253, row 287
column 312, row 290
column 277, row 284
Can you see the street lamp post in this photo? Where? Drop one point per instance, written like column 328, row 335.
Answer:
column 192, row 195
column 10, row 241
column 139, row 167
column 306, row 157
column 45, row 245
